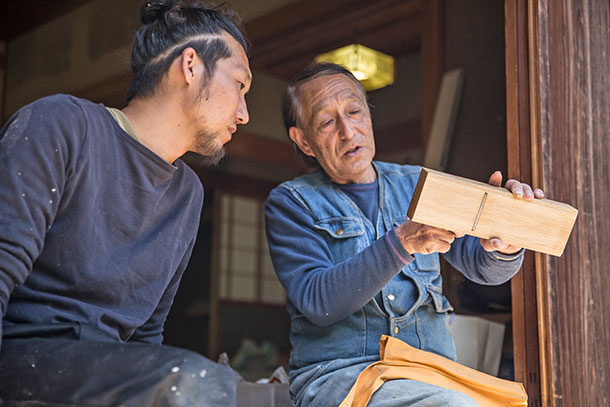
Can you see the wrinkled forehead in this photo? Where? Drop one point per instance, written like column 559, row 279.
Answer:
column 321, row 92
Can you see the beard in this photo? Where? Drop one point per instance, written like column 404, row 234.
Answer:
column 207, row 149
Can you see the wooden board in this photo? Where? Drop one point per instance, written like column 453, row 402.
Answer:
column 478, row 209
column 444, row 119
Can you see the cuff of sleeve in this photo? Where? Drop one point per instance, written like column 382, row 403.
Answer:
column 397, row 247
column 507, row 257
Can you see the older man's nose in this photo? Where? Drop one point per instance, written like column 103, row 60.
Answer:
column 347, row 129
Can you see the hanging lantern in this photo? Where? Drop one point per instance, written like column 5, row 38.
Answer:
column 372, row 68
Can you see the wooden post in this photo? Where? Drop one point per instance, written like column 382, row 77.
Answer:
column 432, row 60
column 558, row 98
column 523, row 285
column 214, row 321
column 573, row 80
column 3, row 74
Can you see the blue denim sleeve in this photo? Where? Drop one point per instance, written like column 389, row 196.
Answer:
column 322, row 291
column 487, row 268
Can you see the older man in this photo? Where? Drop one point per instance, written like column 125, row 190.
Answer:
column 353, row 265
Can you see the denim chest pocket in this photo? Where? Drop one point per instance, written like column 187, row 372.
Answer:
column 427, row 262
column 439, row 301
column 345, row 236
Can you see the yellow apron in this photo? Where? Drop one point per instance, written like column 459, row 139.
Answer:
column 401, row 361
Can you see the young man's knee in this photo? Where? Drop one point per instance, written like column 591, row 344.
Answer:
column 194, row 380
column 192, row 366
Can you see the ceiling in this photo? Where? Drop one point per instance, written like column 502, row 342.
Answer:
column 286, row 34
column 287, row 39
column 20, row 16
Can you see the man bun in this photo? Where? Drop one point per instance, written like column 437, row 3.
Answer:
column 170, row 26
column 153, row 10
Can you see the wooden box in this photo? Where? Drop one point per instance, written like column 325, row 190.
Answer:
column 474, row 208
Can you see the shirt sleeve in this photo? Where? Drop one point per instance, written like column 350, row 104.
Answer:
column 483, row 267
column 36, row 159
column 322, row 291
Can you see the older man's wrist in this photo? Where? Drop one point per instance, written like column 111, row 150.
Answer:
column 397, row 245
column 506, row 256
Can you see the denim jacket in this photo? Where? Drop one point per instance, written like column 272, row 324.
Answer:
column 413, row 308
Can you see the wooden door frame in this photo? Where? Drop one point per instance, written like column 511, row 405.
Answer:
column 558, row 77
column 530, row 294
column 524, row 164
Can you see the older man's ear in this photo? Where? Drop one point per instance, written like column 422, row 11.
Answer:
column 298, row 136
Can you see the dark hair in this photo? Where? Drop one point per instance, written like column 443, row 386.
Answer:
column 169, row 27
column 291, row 104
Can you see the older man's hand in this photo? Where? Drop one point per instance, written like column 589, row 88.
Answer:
column 521, row 191
column 423, row 239
column 418, row 238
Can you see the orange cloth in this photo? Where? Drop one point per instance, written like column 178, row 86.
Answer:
column 401, row 361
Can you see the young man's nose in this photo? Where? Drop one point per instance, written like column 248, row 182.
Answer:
column 241, row 114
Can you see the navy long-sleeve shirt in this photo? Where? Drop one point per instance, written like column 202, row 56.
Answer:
column 94, row 228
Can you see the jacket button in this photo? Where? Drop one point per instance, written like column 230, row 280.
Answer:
column 396, row 330
column 391, row 297
column 340, row 231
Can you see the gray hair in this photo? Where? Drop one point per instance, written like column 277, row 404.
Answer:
column 292, row 108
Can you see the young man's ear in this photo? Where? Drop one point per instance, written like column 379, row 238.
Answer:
column 298, row 136
column 191, row 65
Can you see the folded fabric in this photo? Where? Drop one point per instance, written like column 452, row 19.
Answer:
column 398, row 360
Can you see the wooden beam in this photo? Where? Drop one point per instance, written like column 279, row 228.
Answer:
column 288, row 39
column 524, row 284
column 291, row 18
column 474, row 208
column 432, row 60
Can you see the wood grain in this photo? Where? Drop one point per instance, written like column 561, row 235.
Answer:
column 474, row 208
column 574, row 77
column 526, row 337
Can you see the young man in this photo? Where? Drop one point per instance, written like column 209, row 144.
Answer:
column 98, row 218
column 353, row 265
